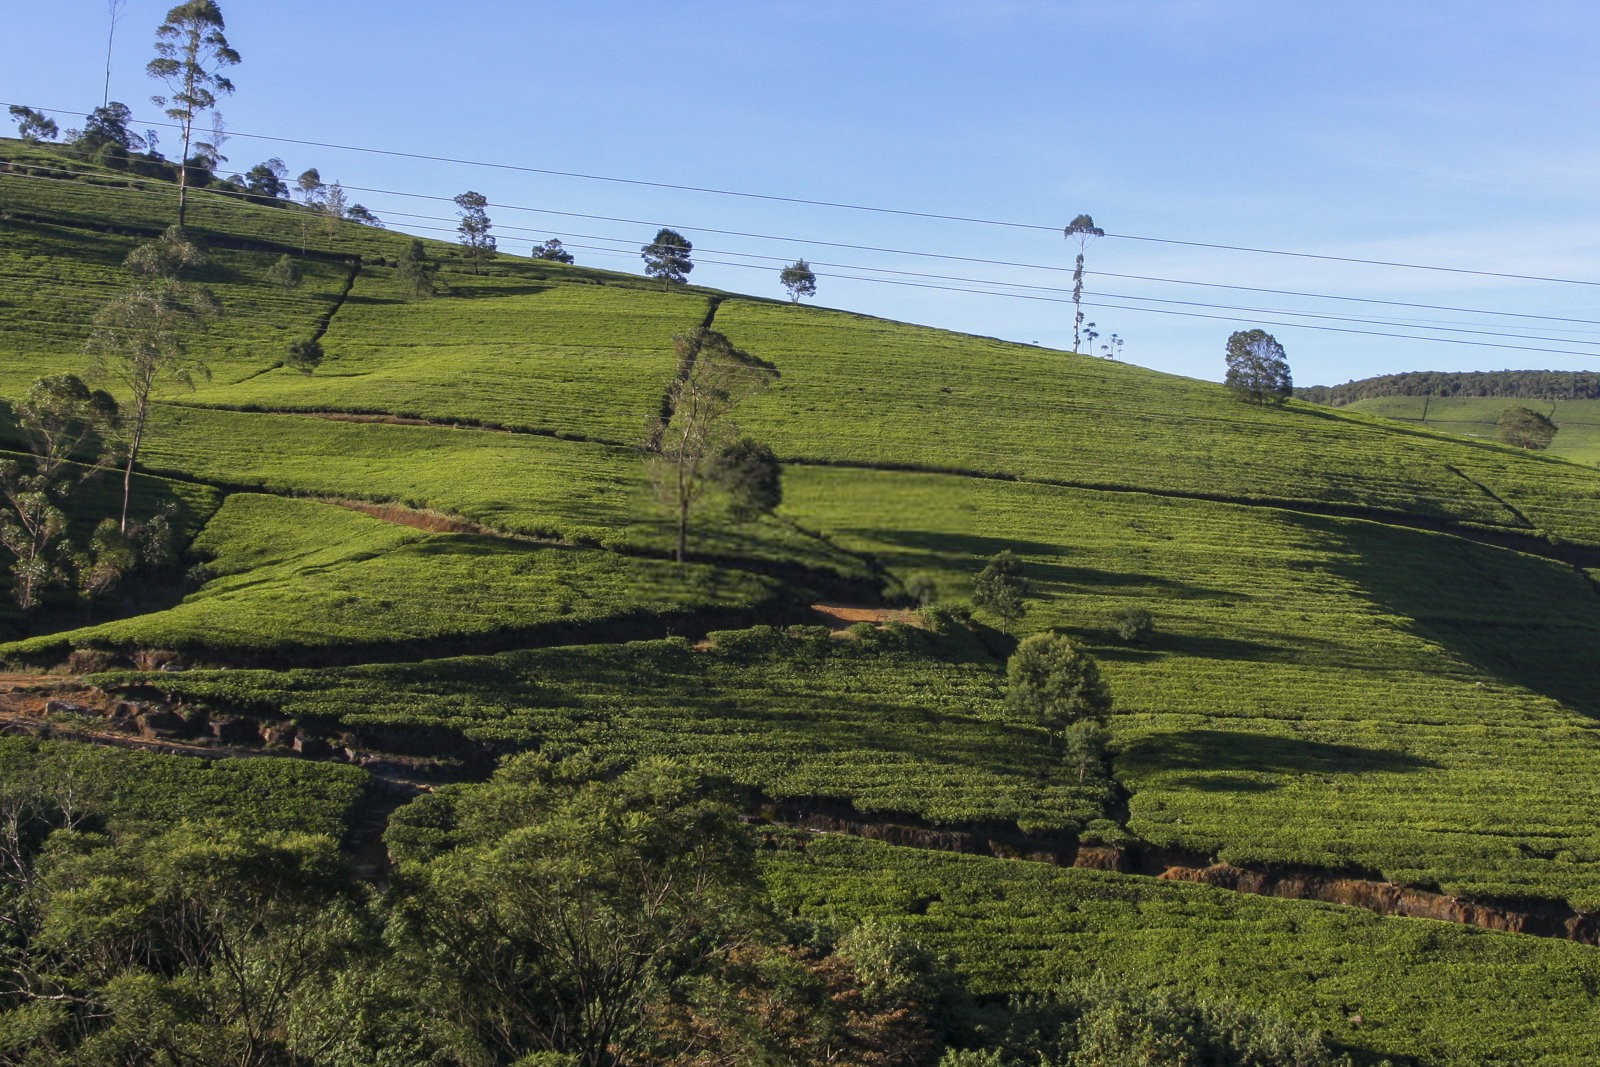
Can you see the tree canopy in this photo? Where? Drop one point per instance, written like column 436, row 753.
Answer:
column 1520, row 384
column 667, row 257
column 552, row 251
column 798, row 279
column 682, row 445
column 33, row 126
column 1001, row 587
column 1052, row 681
column 191, row 54
column 474, row 228
column 1525, row 428
column 1258, row 369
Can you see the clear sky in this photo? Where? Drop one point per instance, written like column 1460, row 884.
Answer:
column 1454, row 134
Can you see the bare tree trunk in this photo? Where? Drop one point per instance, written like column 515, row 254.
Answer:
column 133, row 454
column 183, row 175
column 683, row 525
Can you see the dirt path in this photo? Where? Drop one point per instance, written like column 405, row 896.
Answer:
column 61, row 708
column 842, row 616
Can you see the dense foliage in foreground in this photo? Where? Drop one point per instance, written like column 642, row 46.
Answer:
column 587, row 914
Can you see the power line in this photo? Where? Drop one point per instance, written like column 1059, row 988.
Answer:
column 1165, row 311
column 869, row 208
column 257, row 198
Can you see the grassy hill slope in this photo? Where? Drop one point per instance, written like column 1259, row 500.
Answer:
column 1373, row 648
column 1578, row 438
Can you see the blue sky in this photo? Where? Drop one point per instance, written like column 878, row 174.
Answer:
column 1445, row 134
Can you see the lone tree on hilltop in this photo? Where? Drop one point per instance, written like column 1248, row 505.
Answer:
column 799, row 279
column 682, row 444
column 667, row 257
column 1525, row 428
column 33, row 126
column 1082, row 229
column 1053, row 682
column 552, row 250
column 1257, row 367
column 1001, row 586
column 191, row 54
column 140, row 339
column 474, row 228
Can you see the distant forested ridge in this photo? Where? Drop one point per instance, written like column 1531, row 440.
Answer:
column 1524, row 384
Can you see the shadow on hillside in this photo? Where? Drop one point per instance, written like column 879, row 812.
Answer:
column 1520, row 619
column 377, row 301
column 972, row 552
column 469, row 290
column 1107, row 646
column 1241, row 752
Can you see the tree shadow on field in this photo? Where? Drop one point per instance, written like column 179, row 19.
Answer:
column 1236, row 753
column 377, row 301
column 466, row 289
column 1520, row 619
column 1108, row 647
column 971, row 552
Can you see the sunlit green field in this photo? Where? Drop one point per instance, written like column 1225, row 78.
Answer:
column 1321, row 690
column 1396, row 987
column 1577, row 439
column 294, row 577
column 1318, row 691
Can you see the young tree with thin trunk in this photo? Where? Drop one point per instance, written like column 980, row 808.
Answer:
column 799, row 279
column 1001, row 587
column 191, row 54
column 141, row 339
column 334, row 206
column 113, row 16
column 415, row 274
column 683, row 445
column 1083, row 229
column 474, row 228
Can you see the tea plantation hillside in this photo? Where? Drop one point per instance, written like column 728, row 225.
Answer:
column 1369, row 677
column 1577, row 439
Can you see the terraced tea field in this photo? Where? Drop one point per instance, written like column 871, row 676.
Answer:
column 299, row 579
column 1377, row 984
column 1372, row 656
column 1577, row 439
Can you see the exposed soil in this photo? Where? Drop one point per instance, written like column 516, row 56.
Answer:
column 840, row 617
column 62, row 707
column 418, row 518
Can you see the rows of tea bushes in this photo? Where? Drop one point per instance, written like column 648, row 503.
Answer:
column 512, row 348
column 1377, row 984
column 870, row 391
column 1317, row 691
column 152, row 791
column 892, row 729
column 524, row 484
column 56, row 279
column 1577, row 439
column 295, row 576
